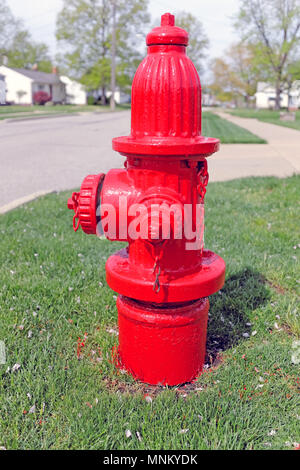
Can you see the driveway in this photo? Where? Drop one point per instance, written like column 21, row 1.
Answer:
column 49, row 154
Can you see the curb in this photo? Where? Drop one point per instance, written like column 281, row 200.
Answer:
column 35, row 118
column 23, row 200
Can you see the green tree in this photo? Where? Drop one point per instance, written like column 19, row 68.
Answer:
column 236, row 74
column 25, row 53
column 273, row 29
column 293, row 77
column 245, row 70
column 8, row 26
column 198, row 41
column 17, row 45
column 84, row 28
column 294, row 70
column 225, row 85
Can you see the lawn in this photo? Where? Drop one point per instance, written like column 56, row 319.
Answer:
column 267, row 116
column 14, row 112
column 55, row 395
column 228, row 133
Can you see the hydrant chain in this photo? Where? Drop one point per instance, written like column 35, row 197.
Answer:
column 75, row 197
column 157, row 267
column 157, row 272
column 203, row 178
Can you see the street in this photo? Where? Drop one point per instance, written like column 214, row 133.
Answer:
column 54, row 154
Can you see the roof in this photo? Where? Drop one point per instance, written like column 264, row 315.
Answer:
column 69, row 81
column 73, row 84
column 40, row 77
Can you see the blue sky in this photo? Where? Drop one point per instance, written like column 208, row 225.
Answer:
column 39, row 16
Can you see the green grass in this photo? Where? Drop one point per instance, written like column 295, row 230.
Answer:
column 267, row 116
column 228, row 133
column 50, row 295
column 15, row 112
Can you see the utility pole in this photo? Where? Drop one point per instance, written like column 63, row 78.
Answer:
column 113, row 57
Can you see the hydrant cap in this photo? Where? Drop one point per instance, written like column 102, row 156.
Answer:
column 168, row 33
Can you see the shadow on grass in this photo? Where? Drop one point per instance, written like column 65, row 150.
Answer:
column 230, row 309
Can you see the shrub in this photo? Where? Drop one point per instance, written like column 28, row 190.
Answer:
column 41, row 97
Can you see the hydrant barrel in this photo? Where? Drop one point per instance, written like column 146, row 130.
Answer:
column 150, row 338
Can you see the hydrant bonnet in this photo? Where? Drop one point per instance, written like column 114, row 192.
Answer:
column 166, row 100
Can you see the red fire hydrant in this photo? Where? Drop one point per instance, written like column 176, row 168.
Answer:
column 156, row 203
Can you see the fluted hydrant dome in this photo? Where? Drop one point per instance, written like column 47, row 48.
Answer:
column 166, row 99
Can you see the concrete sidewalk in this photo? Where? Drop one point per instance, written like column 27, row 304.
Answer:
column 279, row 157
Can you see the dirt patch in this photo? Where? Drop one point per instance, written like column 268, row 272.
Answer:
column 148, row 391
column 117, row 385
column 280, row 290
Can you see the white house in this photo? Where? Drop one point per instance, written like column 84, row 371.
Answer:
column 120, row 96
column 266, row 96
column 22, row 84
column 208, row 100
column 2, row 90
column 75, row 91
